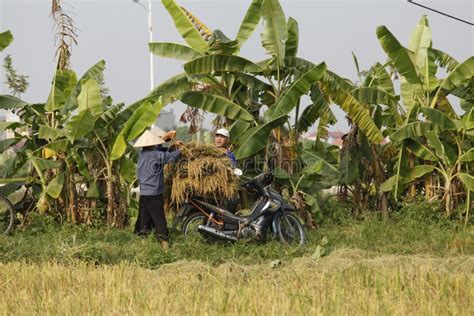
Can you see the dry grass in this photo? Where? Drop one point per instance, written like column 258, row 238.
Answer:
column 203, row 170
column 346, row 282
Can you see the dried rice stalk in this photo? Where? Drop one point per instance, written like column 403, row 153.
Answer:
column 203, row 170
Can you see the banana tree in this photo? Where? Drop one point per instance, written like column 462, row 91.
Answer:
column 77, row 146
column 420, row 89
column 234, row 87
column 447, row 144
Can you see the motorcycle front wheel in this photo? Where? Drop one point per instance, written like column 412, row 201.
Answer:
column 290, row 230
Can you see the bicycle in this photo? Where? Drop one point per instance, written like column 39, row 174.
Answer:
column 8, row 210
column 7, row 215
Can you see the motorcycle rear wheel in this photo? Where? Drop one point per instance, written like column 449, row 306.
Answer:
column 190, row 225
column 290, row 230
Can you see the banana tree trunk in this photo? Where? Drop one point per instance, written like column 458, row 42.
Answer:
column 429, row 187
column 379, row 178
column 448, row 197
column 71, row 211
column 110, row 195
column 412, row 188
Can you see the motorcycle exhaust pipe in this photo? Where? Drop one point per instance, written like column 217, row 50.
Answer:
column 214, row 232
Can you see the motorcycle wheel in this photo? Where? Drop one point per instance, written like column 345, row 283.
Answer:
column 190, row 225
column 290, row 230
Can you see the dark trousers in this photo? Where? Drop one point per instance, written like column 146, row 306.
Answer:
column 151, row 215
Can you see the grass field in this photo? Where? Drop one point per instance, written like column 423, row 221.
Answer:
column 345, row 282
column 409, row 265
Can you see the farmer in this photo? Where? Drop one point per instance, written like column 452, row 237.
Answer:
column 221, row 139
column 150, row 177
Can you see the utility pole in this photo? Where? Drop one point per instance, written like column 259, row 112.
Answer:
column 150, row 33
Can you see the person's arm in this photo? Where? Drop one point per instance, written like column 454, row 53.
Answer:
column 232, row 158
column 171, row 156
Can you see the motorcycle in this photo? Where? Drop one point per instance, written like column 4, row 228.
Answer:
column 270, row 216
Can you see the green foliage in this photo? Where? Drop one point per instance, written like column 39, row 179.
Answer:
column 274, row 33
column 5, row 39
column 18, row 84
column 414, row 229
column 185, row 27
column 250, row 21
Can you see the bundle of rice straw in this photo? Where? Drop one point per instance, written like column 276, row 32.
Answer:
column 203, row 170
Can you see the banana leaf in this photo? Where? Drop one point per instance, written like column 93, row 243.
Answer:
column 90, row 98
column 439, row 118
column 63, row 83
column 145, row 120
column 315, row 164
column 9, row 125
column 315, row 110
column 274, row 33
column 56, row 146
column 140, row 120
column 379, row 77
column 95, row 72
column 79, row 125
column 185, row 27
column 55, row 187
column 8, row 102
column 220, row 63
column 420, row 41
column 216, row 104
column 398, row 54
column 80, row 163
column 50, row 133
column 171, row 89
column 411, row 130
column 416, row 172
column 250, row 21
column 173, row 50
column 348, row 170
column 373, row 95
column 299, row 87
column 444, row 60
column 45, row 164
column 128, row 169
column 93, row 191
column 420, row 150
column 434, row 142
column 256, row 138
column 7, row 143
column 291, row 45
column 467, row 156
column 237, row 129
column 336, row 82
column 460, row 75
column 468, row 180
column 358, row 114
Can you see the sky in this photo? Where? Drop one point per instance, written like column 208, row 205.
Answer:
column 116, row 31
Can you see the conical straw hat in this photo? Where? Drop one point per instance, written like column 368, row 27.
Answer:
column 148, row 139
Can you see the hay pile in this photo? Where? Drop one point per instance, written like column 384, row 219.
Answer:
column 203, row 170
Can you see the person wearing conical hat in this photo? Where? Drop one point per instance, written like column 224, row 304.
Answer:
column 150, row 177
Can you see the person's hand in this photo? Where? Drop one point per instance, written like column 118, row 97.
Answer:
column 169, row 136
column 176, row 145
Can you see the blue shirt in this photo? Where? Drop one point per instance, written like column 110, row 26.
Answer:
column 232, row 158
column 150, row 170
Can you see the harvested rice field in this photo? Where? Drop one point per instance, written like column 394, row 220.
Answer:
column 345, row 282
